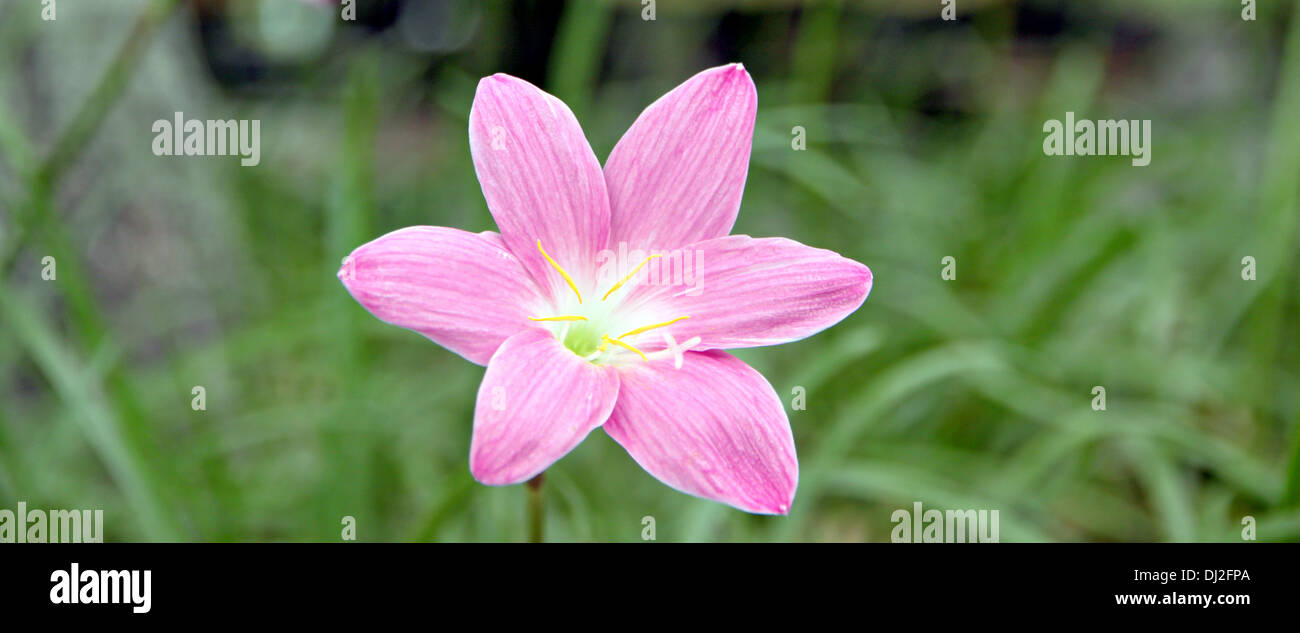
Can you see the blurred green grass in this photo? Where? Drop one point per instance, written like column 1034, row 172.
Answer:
column 971, row 393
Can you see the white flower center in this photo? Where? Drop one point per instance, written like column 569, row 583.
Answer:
column 588, row 330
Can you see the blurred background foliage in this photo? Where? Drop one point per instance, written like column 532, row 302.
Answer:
column 924, row 141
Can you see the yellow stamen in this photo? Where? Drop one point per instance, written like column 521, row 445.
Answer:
column 629, row 276
column 623, row 345
column 567, row 278
column 559, row 318
column 651, row 327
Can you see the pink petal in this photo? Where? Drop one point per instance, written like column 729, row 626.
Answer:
column 463, row 290
column 714, row 429
column 540, row 178
column 677, row 175
column 536, row 402
column 741, row 291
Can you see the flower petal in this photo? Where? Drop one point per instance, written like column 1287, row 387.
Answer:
column 677, row 174
column 463, row 290
column 537, row 401
column 540, row 179
column 741, row 291
column 714, row 428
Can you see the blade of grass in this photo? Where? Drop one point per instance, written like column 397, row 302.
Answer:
column 84, row 394
column 577, row 55
column 1279, row 213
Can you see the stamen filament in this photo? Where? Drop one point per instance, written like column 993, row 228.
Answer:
column 629, row 276
column 564, row 317
column 623, row 345
column 567, row 278
column 651, row 327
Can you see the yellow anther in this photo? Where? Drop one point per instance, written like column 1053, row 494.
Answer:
column 559, row 318
column 629, row 276
column 607, row 339
column 651, row 327
column 567, row 278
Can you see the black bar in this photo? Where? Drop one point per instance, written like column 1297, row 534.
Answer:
column 315, row 580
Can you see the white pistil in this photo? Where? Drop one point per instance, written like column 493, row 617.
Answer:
column 677, row 353
column 673, row 351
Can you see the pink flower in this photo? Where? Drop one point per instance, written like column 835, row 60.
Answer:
column 574, row 334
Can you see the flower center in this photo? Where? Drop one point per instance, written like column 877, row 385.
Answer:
column 588, row 334
column 583, row 338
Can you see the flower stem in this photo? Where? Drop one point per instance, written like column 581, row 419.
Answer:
column 536, row 509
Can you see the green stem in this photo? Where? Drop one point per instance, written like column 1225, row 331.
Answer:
column 536, row 509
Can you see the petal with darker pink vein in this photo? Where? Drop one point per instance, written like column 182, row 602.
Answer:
column 714, row 428
column 741, row 291
column 677, row 174
column 540, row 179
column 465, row 291
column 537, row 401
